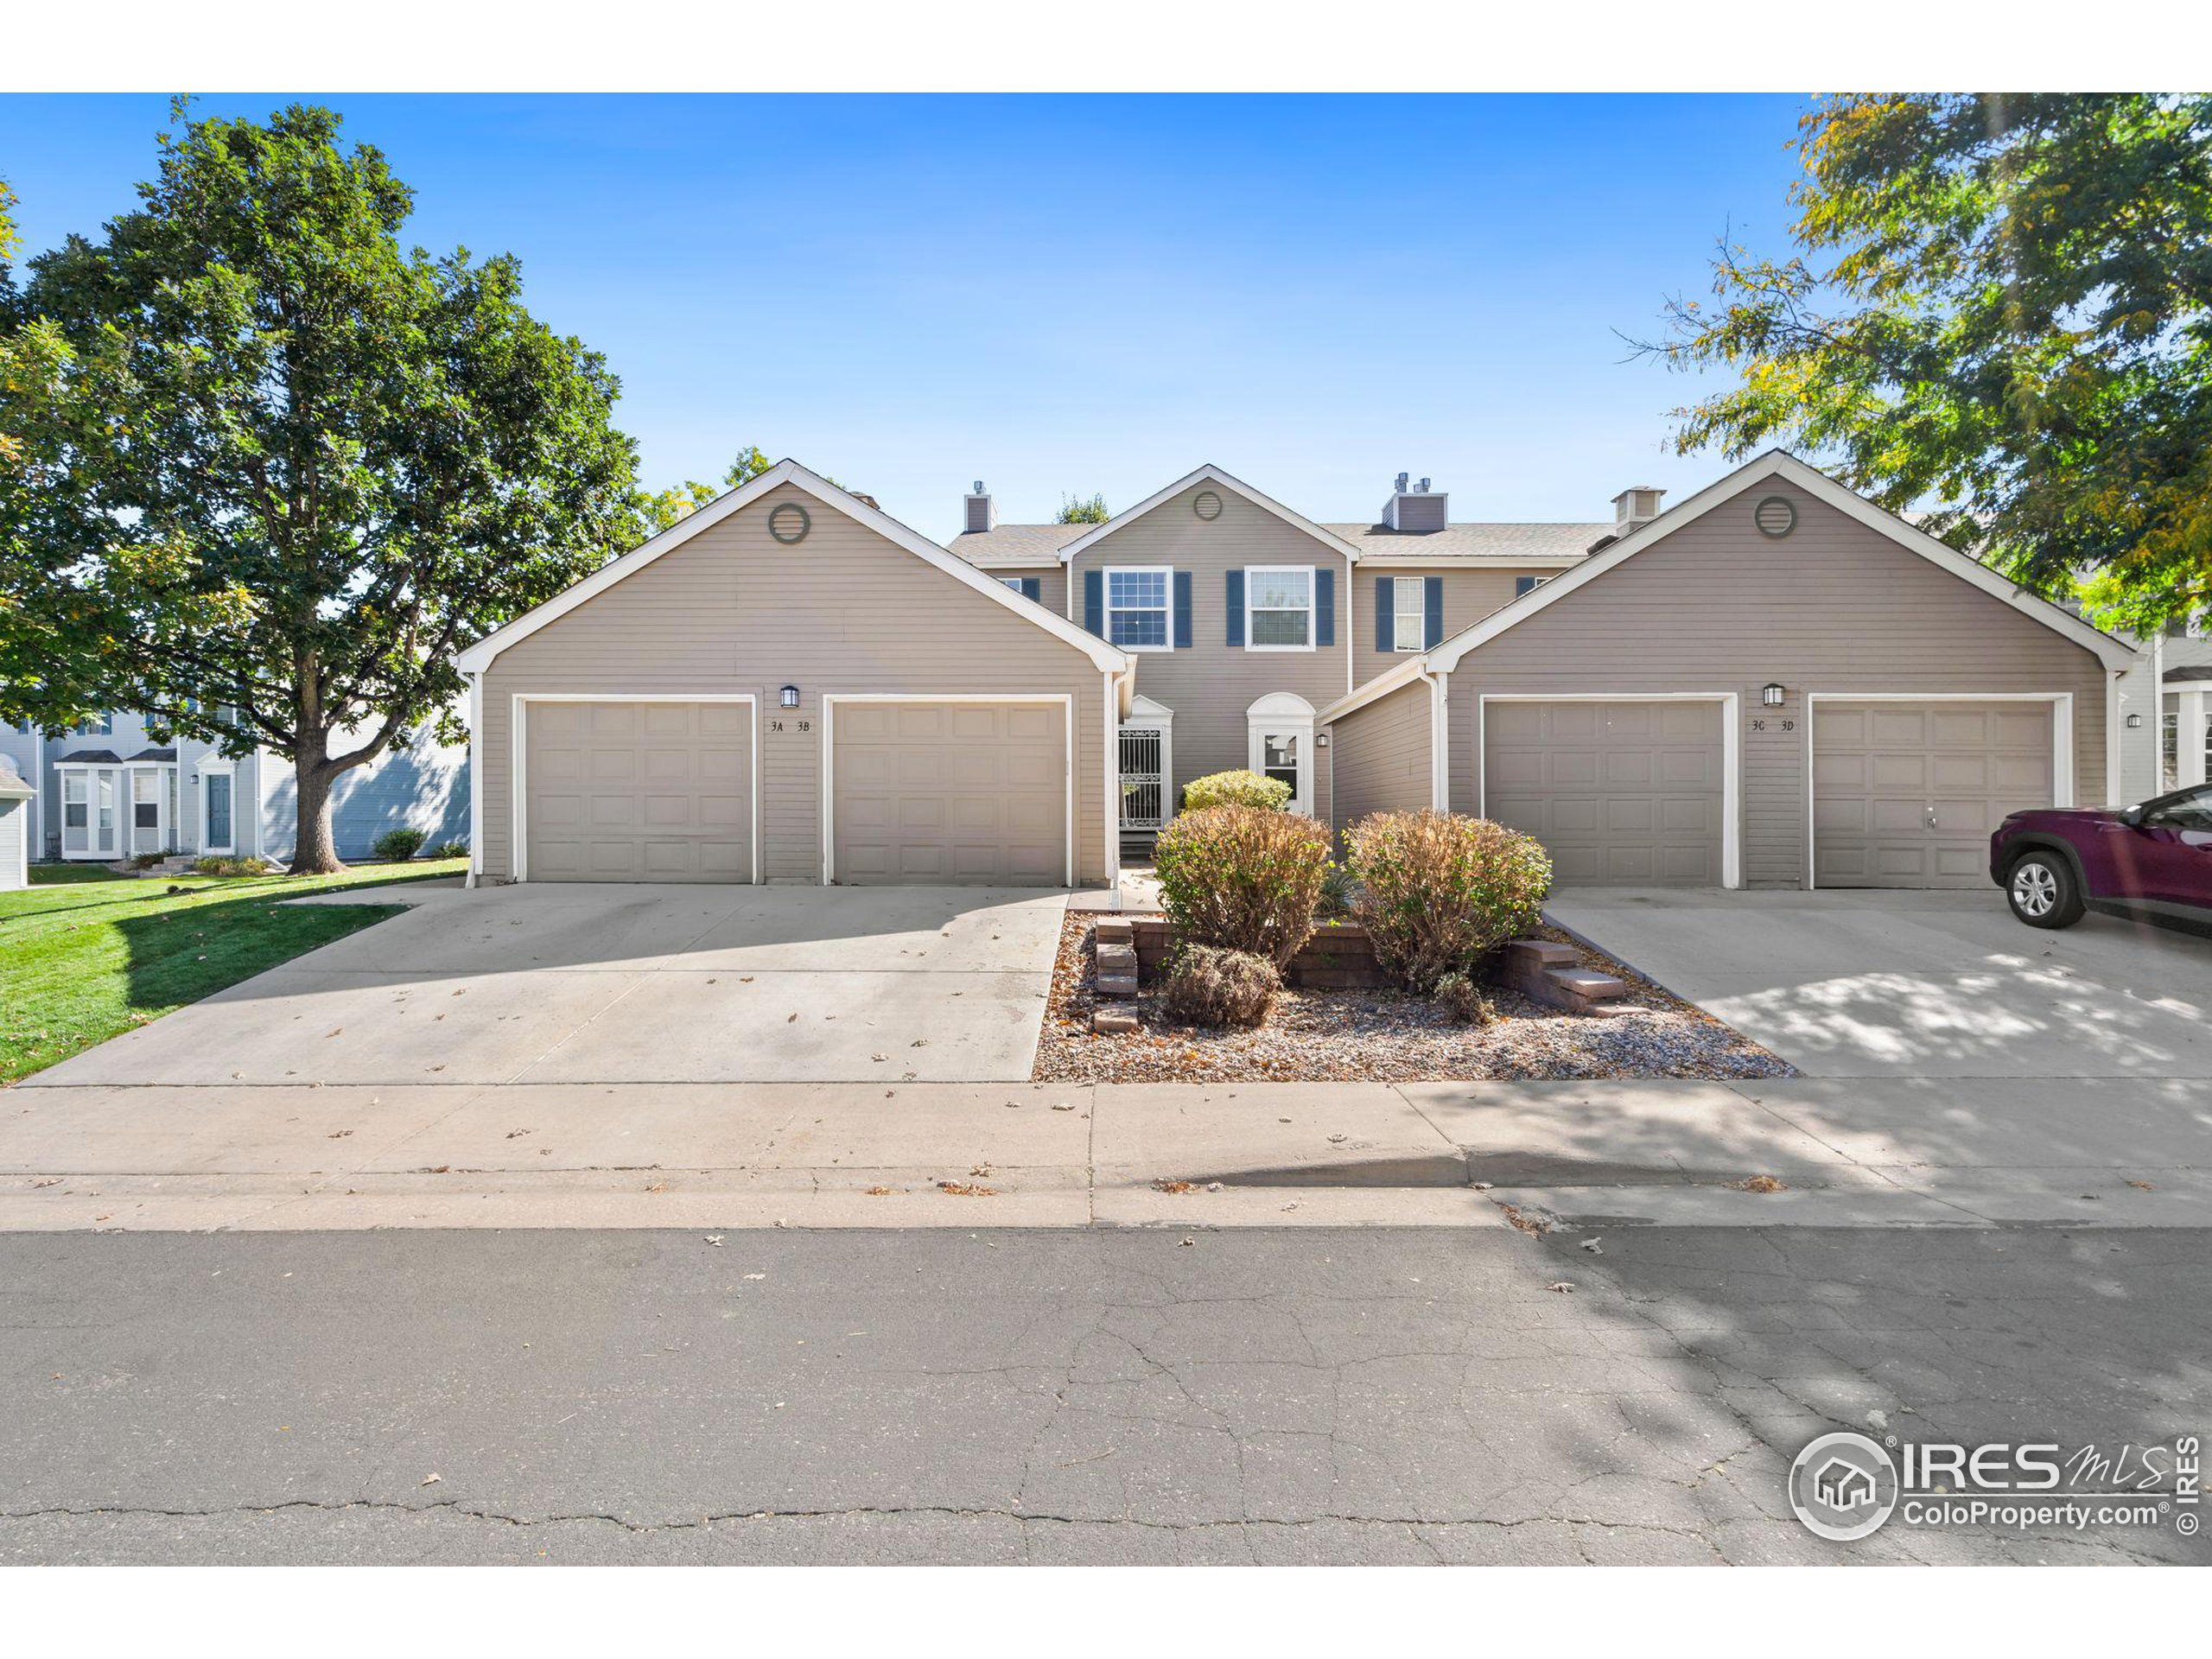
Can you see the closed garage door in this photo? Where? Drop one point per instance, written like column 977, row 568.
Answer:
column 638, row 792
column 973, row 793
column 1622, row 794
column 1906, row 794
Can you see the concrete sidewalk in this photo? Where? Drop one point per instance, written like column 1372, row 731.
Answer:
column 2119, row 1152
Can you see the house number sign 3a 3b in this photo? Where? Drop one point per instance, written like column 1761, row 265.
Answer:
column 790, row 725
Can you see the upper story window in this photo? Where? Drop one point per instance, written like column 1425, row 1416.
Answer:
column 101, row 725
column 1137, row 608
column 1528, row 584
column 1279, row 608
column 1408, row 613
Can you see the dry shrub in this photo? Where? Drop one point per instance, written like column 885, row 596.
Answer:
column 1460, row 997
column 1243, row 878
column 1211, row 986
column 1439, row 892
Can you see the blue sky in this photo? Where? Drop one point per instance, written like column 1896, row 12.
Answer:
column 1063, row 294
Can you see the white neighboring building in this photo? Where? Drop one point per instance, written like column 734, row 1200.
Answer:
column 112, row 788
column 16, row 800
column 2165, row 717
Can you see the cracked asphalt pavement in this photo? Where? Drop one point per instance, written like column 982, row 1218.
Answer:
column 1255, row 1396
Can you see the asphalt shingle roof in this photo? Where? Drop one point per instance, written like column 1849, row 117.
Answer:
column 1010, row 547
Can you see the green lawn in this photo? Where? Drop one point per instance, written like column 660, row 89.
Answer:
column 86, row 954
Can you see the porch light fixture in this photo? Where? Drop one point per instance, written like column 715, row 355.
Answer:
column 1772, row 693
column 2134, row 723
column 788, row 696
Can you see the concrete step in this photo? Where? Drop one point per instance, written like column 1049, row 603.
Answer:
column 1117, row 959
column 1117, row 985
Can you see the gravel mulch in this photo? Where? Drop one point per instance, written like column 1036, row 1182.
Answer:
column 1385, row 1036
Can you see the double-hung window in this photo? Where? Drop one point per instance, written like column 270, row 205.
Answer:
column 101, row 725
column 74, row 801
column 1408, row 613
column 1279, row 608
column 1137, row 608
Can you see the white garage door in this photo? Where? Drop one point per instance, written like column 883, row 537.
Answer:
column 1906, row 794
column 638, row 792
column 968, row 793
column 1621, row 794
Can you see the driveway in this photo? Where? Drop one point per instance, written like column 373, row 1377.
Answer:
column 561, row 984
column 1936, row 985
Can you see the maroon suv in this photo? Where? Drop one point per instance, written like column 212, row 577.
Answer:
column 2152, row 861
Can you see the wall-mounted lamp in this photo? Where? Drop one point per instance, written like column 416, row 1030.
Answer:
column 788, row 696
column 1772, row 694
column 2134, row 723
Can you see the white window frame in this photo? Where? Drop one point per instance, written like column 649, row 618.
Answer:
column 1398, row 640
column 209, row 770
column 1251, row 571
column 1167, row 574
column 82, row 781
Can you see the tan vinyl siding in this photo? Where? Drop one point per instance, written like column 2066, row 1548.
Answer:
column 1211, row 685
column 1469, row 596
column 1834, row 608
column 1382, row 755
column 845, row 610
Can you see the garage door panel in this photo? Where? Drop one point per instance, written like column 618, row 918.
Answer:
column 1620, row 793
column 965, row 792
column 638, row 792
column 1881, row 772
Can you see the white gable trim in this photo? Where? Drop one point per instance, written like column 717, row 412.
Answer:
column 1381, row 685
column 1778, row 464
column 479, row 657
column 1212, row 474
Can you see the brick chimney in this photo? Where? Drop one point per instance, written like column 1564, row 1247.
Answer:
column 981, row 515
column 1418, row 511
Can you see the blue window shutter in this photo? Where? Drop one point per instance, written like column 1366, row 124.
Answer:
column 1182, row 610
column 1033, row 587
column 1386, row 637
column 1432, row 604
column 1094, row 601
column 1236, row 607
column 1325, row 608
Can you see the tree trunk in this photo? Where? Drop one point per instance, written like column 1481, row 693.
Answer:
column 313, row 850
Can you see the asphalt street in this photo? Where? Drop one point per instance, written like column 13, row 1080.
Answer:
column 1138, row 1396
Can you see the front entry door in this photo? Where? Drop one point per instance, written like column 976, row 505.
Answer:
column 1286, row 756
column 215, row 822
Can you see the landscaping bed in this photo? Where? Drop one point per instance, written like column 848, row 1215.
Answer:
column 1342, row 1035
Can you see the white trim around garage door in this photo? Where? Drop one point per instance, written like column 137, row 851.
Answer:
column 831, row 699
column 2062, row 740
column 1731, row 757
column 519, row 753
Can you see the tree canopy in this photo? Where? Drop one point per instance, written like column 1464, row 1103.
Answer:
column 265, row 469
column 1081, row 509
column 2001, row 303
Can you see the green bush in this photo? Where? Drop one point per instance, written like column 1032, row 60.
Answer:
column 1439, row 892
column 1242, row 878
column 450, row 849
column 146, row 860
column 223, row 864
column 1235, row 789
column 1460, row 997
column 1210, row 987
column 399, row 845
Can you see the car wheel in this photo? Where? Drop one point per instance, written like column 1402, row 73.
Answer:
column 2043, row 891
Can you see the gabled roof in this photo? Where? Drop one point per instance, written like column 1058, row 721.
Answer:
column 89, row 758
column 479, row 657
column 1780, row 464
column 1210, row 474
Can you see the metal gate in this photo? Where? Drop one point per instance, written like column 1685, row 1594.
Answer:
column 1144, row 777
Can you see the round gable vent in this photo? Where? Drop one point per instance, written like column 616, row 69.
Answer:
column 789, row 523
column 1775, row 516
column 1206, row 504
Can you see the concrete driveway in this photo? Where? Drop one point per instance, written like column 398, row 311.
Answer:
column 1938, row 985
column 561, row 984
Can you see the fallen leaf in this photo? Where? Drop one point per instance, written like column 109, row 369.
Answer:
column 1759, row 1183
column 1166, row 1185
column 878, row 1191
column 1565, row 1286
column 966, row 1190
column 429, row 1480
column 2143, row 1185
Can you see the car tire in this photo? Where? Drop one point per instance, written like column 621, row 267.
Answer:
column 2043, row 890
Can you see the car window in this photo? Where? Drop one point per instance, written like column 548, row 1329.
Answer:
column 2190, row 811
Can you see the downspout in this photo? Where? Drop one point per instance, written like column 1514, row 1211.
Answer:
column 476, row 782
column 1439, row 737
